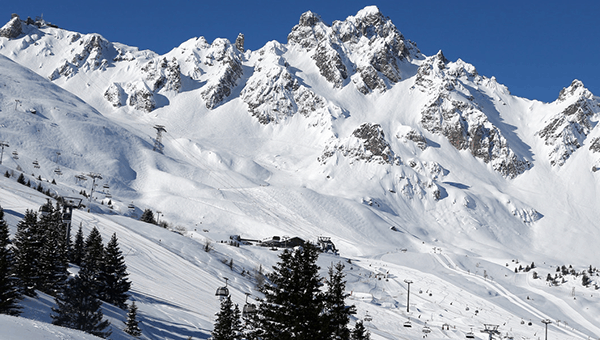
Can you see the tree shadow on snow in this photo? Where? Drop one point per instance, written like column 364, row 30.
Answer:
column 164, row 329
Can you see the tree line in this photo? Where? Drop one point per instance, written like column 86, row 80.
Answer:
column 38, row 260
column 295, row 306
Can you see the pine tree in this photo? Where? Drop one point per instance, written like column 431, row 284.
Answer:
column 21, row 179
column 337, row 314
column 360, row 332
column 148, row 216
column 132, row 324
column 10, row 293
column 293, row 301
column 93, row 259
column 79, row 308
column 78, row 248
column 53, row 256
column 114, row 275
column 228, row 325
column 28, row 243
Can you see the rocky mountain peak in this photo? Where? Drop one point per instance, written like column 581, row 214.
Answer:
column 12, row 29
column 371, row 23
column 309, row 19
column 575, row 90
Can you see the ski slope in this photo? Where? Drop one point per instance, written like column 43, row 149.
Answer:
column 437, row 216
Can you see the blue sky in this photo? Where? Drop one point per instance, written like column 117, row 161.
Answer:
column 534, row 47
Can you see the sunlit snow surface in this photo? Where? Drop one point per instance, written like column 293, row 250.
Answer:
column 224, row 173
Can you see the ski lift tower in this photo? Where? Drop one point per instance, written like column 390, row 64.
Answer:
column 93, row 176
column 158, row 146
column 67, row 213
column 546, row 322
column 2, row 145
column 408, row 282
column 491, row 330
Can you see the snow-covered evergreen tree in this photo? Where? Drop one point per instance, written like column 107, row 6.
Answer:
column 360, row 332
column 337, row 314
column 228, row 325
column 78, row 250
column 115, row 284
column 93, row 259
column 293, row 301
column 9, row 283
column 28, row 242
column 148, row 216
column 79, row 308
column 53, row 253
column 132, row 324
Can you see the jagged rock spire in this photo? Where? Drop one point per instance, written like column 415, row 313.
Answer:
column 13, row 28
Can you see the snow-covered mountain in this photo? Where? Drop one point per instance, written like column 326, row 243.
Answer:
column 346, row 131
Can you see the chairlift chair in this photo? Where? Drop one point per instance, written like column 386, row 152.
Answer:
column 15, row 154
column 426, row 329
column 36, row 164
column 470, row 335
column 58, row 171
column 368, row 317
column 223, row 292
column 105, row 186
column 108, row 195
column 44, row 210
column 249, row 309
column 408, row 324
column 131, row 206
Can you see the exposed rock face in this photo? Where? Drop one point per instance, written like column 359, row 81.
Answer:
column 159, row 74
column 366, row 47
column 452, row 113
column 575, row 90
column 229, row 60
column 416, row 137
column 87, row 54
column 239, row 43
column 115, row 95
column 566, row 131
column 272, row 93
column 12, row 29
column 140, row 97
column 367, row 144
column 595, row 145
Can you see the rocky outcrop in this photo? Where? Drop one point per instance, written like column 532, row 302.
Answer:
column 414, row 136
column 140, row 97
column 566, row 131
column 12, row 29
column 452, row 113
column 367, row 143
column 575, row 90
column 272, row 93
column 162, row 74
column 239, row 43
column 367, row 48
column 229, row 61
column 87, row 54
column 115, row 95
